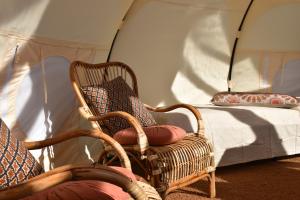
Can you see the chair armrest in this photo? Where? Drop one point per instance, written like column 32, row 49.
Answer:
column 142, row 140
column 72, row 173
column 196, row 112
column 60, row 137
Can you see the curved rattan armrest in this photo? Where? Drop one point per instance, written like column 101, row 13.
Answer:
column 72, row 173
column 60, row 137
column 196, row 112
column 141, row 136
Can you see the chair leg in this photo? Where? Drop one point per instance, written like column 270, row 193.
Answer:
column 212, row 185
column 163, row 195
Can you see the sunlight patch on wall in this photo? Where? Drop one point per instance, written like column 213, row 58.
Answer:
column 206, row 53
column 211, row 70
column 246, row 74
column 184, row 90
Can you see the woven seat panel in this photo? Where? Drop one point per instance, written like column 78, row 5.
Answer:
column 185, row 158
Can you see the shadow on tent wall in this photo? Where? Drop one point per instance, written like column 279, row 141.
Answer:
column 265, row 142
column 256, row 180
column 41, row 92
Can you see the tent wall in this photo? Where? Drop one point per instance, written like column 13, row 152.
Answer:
column 269, row 51
column 181, row 49
column 39, row 39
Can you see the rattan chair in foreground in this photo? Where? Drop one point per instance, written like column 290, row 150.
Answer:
column 22, row 177
column 167, row 167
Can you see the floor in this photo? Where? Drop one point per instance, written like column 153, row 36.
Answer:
column 266, row 180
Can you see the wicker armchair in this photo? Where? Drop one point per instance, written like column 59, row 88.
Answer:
column 32, row 185
column 167, row 167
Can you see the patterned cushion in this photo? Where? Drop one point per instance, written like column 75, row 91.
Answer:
column 16, row 162
column 254, row 99
column 116, row 95
column 156, row 135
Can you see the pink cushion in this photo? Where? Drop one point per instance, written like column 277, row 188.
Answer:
column 125, row 172
column 85, row 190
column 157, row 135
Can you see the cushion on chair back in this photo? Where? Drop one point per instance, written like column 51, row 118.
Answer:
column 156, row 135
column 116, row 95
column 85, row 190
column 16, row 162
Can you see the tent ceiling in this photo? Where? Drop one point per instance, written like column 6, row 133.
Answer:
column 93, row 22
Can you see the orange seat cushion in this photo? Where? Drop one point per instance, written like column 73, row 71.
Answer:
column 85, row 190
column 157, row 135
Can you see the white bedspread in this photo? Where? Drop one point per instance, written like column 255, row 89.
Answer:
column 243, row 134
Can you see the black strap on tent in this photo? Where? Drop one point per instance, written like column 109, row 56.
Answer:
column 15, row 55
column 117, row 33
column 234, row 46
column 112, row 45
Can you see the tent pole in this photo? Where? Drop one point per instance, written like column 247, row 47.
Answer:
column 117, row 33
column 235, row 45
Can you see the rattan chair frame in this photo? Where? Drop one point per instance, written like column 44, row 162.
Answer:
column 87, row 74
column 136, row 189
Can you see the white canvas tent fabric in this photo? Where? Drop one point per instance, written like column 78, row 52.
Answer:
column 187, row 46
column 179, row 49
column 38, row 41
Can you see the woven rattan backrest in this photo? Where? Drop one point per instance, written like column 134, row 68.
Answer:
column 86, row 74
column 95, row 74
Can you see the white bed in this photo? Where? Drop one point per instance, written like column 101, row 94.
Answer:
column 242, row 134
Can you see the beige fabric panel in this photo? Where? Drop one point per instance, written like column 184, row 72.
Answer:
column 37, row 100
column 267, row 71
column 181, row 50
column 269, row 43
column 38, row 40
column 22, row 54
column 92, row 21
column 272, row 25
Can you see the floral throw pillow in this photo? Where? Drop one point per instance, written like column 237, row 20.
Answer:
column 16, row 162
column 116, row 95
column 254, row 99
